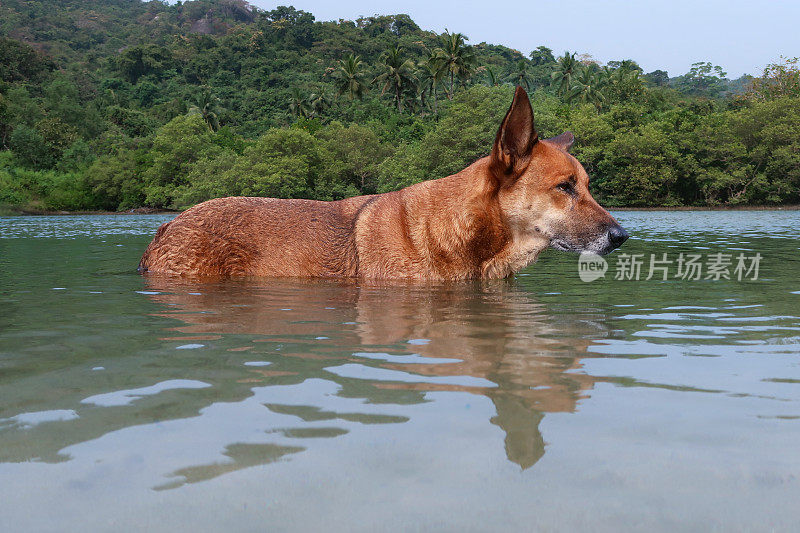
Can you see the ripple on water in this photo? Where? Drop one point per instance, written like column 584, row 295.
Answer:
column 126, row 397
column 71, row 227
column 29, row 420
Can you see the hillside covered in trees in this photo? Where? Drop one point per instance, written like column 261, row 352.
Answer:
column 119, row 104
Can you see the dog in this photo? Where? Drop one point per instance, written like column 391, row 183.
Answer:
column 490, row 220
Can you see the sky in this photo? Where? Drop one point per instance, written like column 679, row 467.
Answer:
column 740, row 36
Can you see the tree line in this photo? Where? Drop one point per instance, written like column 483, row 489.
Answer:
column 209, row 98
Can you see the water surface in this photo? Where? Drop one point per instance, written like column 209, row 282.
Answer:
column 541, row 403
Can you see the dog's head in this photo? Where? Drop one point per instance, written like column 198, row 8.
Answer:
column 543, row 191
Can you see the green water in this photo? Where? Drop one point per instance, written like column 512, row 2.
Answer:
column 544, row 403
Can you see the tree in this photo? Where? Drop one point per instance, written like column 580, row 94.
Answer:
column 138, row 61
column 397, row 75
column 432, row 71
column 116, row 179
column 542, row 56
column 282, row 163
column 21, row 62
column 640, row 168
column 626, row 65
column 176, row 147
column 703, row 79
column 566, row 67
column 521, row 74
column 659, row 78
column 778, row 80
column 41, row 146
column 298, row 105
column 491, row 77
column 290, row 26
column 318, row 102
column 349, row 78
column 351, row 156
column 458, row 58
column 29, row 148
column 207, row 106
column 587, row 87
column 623, row 82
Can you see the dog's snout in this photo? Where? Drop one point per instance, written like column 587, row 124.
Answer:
column 617, row 235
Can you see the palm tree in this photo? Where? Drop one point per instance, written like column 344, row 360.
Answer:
column 414, row 99
column 432, row 70
column 349, row 78
column 622, row 82
column 318, row 102
column 207, row 105
column 567, row 67
column 298, row 106
column 587, row 87
column 492, row 77
column 457, row 57
column 397, row 74
column 521, row 74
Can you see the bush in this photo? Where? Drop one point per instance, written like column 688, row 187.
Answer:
column 30, row 148
column 47, row 189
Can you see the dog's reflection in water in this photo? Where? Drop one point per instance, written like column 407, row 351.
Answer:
column 485, row 331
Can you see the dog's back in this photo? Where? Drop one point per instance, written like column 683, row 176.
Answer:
column 258, row 237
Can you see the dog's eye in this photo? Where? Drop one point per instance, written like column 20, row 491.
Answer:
column 566, row 186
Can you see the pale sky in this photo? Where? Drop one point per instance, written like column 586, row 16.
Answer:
column 740, row 36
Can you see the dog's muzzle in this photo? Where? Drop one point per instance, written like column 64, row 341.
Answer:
column 613, row 239
column 605, row 243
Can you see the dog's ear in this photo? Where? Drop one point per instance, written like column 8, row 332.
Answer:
column 515, row 139
column 563, row 141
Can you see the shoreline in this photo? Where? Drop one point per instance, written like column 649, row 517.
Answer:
column 11, row 212
column 709, row 208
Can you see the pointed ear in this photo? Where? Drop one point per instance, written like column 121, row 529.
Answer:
column 563, row 141
column 515, row 139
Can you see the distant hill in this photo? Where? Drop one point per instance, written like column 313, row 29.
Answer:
column 120, row 103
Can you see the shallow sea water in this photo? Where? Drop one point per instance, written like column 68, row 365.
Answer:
column 132, row 403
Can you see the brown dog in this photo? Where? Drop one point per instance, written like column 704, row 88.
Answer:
column 488, row 221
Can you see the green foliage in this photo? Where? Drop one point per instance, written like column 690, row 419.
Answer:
column 351, row 156
column 282, row 163
column 463, row 135
column 37, row 189
column 20, row 62
column 142, row 60
column 121, row 104
column 703, row 79
column 542, row 56
column 29, row 148
column 778, row 80
column 117, row 180
column 397, row 75
column 456, row 58
column 350, row 78
column 639, row 168
column 176, row 147
column 567, row 68
column 587, row 87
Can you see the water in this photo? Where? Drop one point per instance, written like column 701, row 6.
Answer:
column 543, row 403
